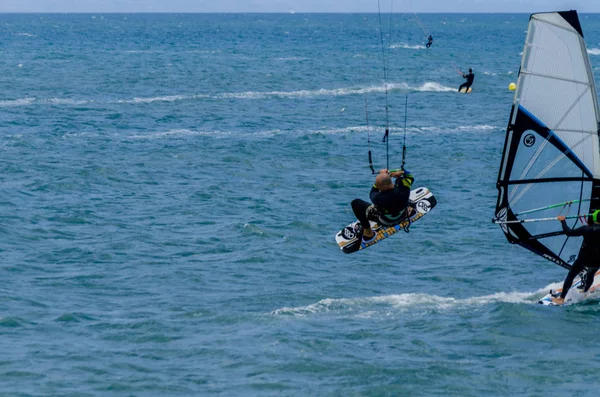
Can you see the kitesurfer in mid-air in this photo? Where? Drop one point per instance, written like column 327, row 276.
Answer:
column 390, row 202
column 469, row 76
column 429, row 41
column 589, row 254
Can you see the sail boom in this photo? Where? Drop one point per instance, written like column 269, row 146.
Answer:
column 542, row 180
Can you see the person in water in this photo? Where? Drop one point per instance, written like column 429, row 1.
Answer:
column 470, row 76
column 429, row 41
column 589, row 254
column 390, row 201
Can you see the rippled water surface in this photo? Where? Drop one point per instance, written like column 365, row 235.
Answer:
column 172, row 185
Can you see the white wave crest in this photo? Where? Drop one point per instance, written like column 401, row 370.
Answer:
column 167, row 98
column 361, row 129
column 429, row 86
column 432, row 86
column 17, row 102
column 292, row 59
column 348, row 130
column 410, row 301
column 176, row 134
column 64, row 101
column 182, row 133
column 310, row 93
column 46, row 101
column 407, row 46
column 461, row 128
column 594, row 51
column 80, row 135
column 141, row 51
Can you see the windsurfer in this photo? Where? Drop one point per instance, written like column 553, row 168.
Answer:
column 469, row 76
column 588, row 257
column 390, row 201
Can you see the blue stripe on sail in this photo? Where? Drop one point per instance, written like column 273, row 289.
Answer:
column 566, row 149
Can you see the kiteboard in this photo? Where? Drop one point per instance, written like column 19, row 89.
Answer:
column 462, row 90
column 575, row 294
column 349, row 239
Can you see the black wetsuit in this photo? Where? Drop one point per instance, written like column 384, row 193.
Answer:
column 429, row 42
column 589, row 255
column 469, row 81
column 388, row 207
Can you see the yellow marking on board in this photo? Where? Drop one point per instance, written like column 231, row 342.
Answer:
column 389, row 230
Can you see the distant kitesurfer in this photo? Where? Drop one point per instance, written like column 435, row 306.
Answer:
column 589, row 254
column 390, row 202
column 470, row 76
column 429, row 41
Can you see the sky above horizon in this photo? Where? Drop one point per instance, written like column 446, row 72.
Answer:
column 417, row 6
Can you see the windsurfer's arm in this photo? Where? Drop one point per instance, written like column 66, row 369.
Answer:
column 580, row 231
column 565, row 228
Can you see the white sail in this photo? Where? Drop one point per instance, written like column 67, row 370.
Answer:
column 551, row 154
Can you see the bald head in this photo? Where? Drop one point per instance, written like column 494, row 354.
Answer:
column 383, row 181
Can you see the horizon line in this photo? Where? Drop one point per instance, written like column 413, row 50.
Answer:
column 276, row 12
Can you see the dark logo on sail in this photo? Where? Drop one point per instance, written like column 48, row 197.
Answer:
column 529, row 140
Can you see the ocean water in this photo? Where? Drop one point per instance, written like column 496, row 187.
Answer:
column 172, row 185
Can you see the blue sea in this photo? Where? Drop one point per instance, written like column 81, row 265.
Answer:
column 171, row 185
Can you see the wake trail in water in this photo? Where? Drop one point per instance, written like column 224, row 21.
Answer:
column 408, row 46
column 429, row 86
column 410, row 301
